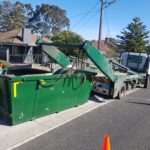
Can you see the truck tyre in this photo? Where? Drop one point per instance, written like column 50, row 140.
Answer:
column 121, row 93
column 133, row 86
column 146, row 81
column 129, row 86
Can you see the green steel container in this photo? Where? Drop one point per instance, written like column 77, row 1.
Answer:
column 27, row 97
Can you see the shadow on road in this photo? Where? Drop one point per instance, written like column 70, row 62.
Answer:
column 99, row 98
column 138, row 103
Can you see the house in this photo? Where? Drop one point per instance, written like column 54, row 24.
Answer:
column 106, row 45
column 19, row 46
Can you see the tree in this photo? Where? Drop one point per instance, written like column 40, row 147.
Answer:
column 110, row 53
column 12, row 15
column 68, row 37
column 148, row 49
column 134, row 37
column 5, row 8
column 45, row 19
column 48, row 19
column 18, row 16
column 1, row 19
column 29, row 14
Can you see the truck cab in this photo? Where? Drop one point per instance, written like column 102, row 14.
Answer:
column 138, row 62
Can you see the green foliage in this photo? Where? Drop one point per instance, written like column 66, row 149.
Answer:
column 111, row 53
column 45, row 19
column 68, row 37
column 5, row 9
column 148, row 49
column 48, row 19
column 29, row 14
column 12, row 16
column 134, row 37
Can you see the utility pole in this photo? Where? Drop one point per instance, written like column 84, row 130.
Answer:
column 103, row 5
column 101, row 22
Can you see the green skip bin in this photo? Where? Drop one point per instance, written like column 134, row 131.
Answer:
column 27, row 93
column 24, row 98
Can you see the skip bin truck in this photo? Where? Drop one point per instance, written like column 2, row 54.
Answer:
column 114, row 78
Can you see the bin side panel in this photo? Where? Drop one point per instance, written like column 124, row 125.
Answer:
column 23, row 97
column 26, row 98
column 70, row 92
column 61, row 94
column 85, row 90
column 5, row 101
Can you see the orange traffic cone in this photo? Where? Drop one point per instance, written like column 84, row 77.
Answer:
column 106, row 143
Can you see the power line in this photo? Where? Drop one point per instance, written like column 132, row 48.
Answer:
column 106, row 4
column 89, row 11
column 82, row 25
column 81, row 14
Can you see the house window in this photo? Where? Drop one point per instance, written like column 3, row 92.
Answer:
column 14, row 50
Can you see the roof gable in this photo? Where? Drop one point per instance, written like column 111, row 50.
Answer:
column 14, row 37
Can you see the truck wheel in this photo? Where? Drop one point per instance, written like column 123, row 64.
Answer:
column 146, row 82
column 129, row 86
column 121, row 93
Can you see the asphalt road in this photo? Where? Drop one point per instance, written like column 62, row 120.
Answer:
column 126, row 121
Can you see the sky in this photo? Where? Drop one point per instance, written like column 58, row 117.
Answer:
column 117, row 16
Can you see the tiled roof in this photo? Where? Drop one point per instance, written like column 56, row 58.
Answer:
column 14, row 37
